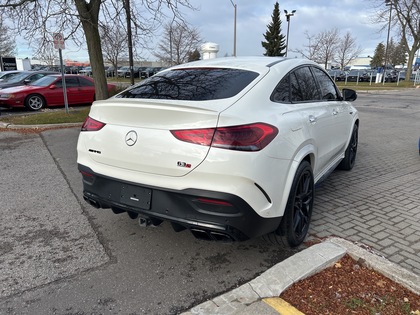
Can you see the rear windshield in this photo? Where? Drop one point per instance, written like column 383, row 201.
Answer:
column 198, row 84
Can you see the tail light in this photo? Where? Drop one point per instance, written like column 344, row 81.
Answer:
column 91, row 124
column 252, row 137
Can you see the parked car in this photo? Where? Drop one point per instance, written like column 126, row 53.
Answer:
column 4, row 75
column 370, row 75
column 124, row 72
column 23, row 78
column 110, row 71
column 229, row 148
column 356, row 75
column 394, row 76
column 337, row 75
column 86, row 71
column 48, row 92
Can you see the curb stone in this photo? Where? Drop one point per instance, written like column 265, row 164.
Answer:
column 300, row 266
column 4, row 125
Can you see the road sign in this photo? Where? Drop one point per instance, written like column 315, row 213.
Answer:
column 58, row 40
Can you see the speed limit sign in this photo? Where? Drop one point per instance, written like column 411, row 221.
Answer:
column 58, row 39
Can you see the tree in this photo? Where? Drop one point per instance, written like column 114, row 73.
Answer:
column 114, row 40
column 177, row 43
column 194, row 55
column 378, row 59
column 7, row 42
column 347, row 50
column 322, row 47
column 42, row 18
column 405, row 16
column 47, row 55
column 397, row 54
column 274, row 43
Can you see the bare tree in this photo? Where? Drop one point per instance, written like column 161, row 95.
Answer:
column 47, row 54
column 405, row 16
column 177, row 43
column 347, row 50
column 322, row 47
column 7, row 41
column 72, row 18
column 114, row 42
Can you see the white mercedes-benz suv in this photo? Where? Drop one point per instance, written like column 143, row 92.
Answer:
column 228, row 148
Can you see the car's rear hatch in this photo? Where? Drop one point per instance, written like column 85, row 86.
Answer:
column 137, row 135
column 148, row 124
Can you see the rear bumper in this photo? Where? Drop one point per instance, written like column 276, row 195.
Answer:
column 207, row 214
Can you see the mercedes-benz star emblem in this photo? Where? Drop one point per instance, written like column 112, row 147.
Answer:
column 131, row 138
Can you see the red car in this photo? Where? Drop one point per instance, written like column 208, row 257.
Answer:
column 48, row 92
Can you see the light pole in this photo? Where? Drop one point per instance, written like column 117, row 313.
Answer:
column 288, row 15
column 387, row 2
column 234, row 28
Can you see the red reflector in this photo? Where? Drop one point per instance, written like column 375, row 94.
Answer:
column 86, row 174
column 91, row 124
column 214, row 202
column 252, row 137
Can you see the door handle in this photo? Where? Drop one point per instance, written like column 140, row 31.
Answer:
column 312, row 119
column 335, row 112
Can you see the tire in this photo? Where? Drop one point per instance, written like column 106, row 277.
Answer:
column 350, row 155
column 34, row 102
column 297, row 216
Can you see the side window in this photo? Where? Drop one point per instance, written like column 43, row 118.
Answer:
column 281, row 93
column 72, row 82
column 85, row 82
column 35, row 77
column 328, row 90
column 303, row 86
column 59, row 83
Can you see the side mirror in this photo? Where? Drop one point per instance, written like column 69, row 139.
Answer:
column 27, row 81
column 53, row 87
column 349, row 95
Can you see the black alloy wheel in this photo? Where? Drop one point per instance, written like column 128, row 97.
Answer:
column 297, row 216
column 299, row 206
column 350, row 155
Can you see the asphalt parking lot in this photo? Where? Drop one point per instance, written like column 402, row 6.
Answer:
column 60, row 256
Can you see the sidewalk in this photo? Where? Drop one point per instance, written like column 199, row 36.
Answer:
column 248, row 298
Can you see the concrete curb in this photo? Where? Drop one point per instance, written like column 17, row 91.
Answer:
column 300, row 266
column 4, row 125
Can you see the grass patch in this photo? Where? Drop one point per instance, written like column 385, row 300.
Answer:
column 53, row 117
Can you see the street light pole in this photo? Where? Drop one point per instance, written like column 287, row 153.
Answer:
column 288, row 15
column 387, row 2
column 234, row 28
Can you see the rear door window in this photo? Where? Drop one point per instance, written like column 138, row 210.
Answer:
column 298, row 85
column 198, row 84
column 328, row 90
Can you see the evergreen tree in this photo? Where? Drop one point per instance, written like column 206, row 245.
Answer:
column 389, row 51
column 275, row 41
column 194, row 55
column 378, row 57
column 397, row 56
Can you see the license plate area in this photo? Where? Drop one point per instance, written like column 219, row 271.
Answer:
column 135, row 196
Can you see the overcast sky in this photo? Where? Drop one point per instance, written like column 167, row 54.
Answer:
column 215, row 22
column 215, row 19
